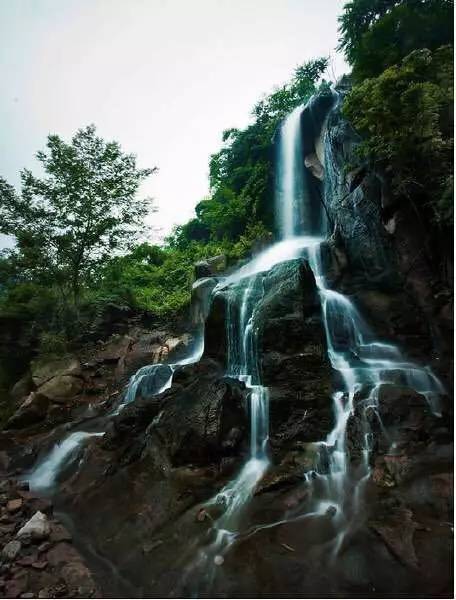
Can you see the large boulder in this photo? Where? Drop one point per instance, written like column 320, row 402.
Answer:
column 36, row 528
column 45, row 369
column 61, row 388
column 22, row 388
column 293, row 360
column 201, row 299
column 210, row 267
column 32, row 410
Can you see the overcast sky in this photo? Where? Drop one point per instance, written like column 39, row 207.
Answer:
column 163, row 77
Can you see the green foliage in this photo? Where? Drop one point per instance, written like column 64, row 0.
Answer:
column 75, row 228
column 162, row 285
column 405, row 117
column 376, row 34
column 240, row 174
column 67, row 224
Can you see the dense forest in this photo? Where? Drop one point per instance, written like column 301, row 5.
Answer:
column 81, row 248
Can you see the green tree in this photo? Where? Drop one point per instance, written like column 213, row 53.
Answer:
column 241, row 173
column 71, row 221
column 405, row 118
column 375, row 34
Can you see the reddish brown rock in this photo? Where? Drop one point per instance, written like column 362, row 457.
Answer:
column 397, row 529
column 59, row 534
column 14, row 505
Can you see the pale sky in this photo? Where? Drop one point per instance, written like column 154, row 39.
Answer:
column 163, row 77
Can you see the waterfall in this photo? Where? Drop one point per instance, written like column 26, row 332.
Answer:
column 363, row 362
column 290, row 175
column 150, row 380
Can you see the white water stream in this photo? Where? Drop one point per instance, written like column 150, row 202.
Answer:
column 151, row 379
column 364, row 364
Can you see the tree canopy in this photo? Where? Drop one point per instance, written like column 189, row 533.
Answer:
column 71, row 221
column 375, row 34
column 241, row 174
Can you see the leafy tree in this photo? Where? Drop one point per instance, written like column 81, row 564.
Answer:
column 405, row 118
column 241, row 173
column 67, row 224
column 376, row 34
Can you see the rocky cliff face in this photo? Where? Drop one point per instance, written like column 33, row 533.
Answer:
column 381, row 253
column 140, row 498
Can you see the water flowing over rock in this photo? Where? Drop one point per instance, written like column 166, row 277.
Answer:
column 297, row 447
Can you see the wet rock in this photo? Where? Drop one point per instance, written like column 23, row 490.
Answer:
column 201, row 413
column 398, row 404
column 313, row 163
column 15, row 505
column 11, row 550
column 397, row 528
column 43, row 370
column 61, row 388
column 59, row 534
column 22, row 388
column 201, row 299
column 78, row 580
column 32, row 410
column 210, row 266
column 37, row 528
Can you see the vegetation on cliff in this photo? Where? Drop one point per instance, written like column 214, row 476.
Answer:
column 79, row 231
column 401, row 53
column 79, row 249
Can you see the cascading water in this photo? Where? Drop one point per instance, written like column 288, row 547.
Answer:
column 290, row 176
column 363, row 362
column 151, row 380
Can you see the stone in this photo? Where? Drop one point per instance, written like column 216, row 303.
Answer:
column 201, row 411
column 26, row 561
column 37, row 528
column 43, row 505
column 201, row 299
column 78, row 580
column 22, row 388
column 397, row 528
column 62, row 553
column 14, row 505
column 116, row 348
column 44, row 547
column 32, row 410
column 312, row 162
column 39, row 565
column 45, row 369
column 59, row 534
column 210, row 266
column 11, row 550
column 61, row 388
column 17, row 586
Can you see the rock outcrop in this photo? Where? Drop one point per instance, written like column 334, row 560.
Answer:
column 38, row 558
